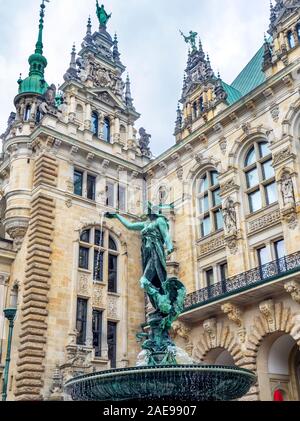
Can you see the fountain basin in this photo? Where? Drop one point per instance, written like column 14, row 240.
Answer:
column 163, row 383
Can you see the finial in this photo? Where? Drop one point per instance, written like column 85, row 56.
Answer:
column 128, row 97
column 102, row 15
column 116, row 54
column 39, row 44
column 89, row 26
column 73, row 57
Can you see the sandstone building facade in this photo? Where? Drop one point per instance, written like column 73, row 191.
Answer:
column 232, row 177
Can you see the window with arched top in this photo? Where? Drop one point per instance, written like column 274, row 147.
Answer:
column 27, row 113
column 98, row 252
column 106, row 130
column 291, row 39
column 95, row 123
column 261, row 188
column 209, row 204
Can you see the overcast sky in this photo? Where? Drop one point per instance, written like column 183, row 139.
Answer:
column 149, row 41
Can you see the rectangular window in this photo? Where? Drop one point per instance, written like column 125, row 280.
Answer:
column 81, row 320
column 255, row 202
column 271, row 193
column 268, row 170
column 85, row 236
column 112, row 343
column 219, row 222
column 252, row 178
column 209, row 275
column 78, row 183
column 91, row 187
column 110, row 199
column 263, row 256
column 83, row 258
column 121, row 198
column 223, row 271
column 279, row 247
column 97, row 331
column 206, row 226
column 112, row 273
column 98, row 265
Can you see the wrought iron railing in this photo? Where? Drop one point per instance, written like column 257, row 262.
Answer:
column 244, row 281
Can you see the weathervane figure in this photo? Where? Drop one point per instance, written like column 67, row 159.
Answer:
column 103, row 16
column 191, row 39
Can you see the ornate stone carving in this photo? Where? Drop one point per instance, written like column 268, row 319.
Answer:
column 210, row 327
column 287, row 189
column 229, row 215
column 293, row 288
column 267, row 220
column 179, row 173
column 223, row 144
column 16, row 229
column 233, row 313
column 267, row 308
column 182, row 331
column 98, row 296
column 112, row 307
column 229, row 186
column 83, row 285
column 275, row 112
column 68, row 203
column 211, row 246
column 282, row 156
column 144, row 143
column 232, row 243
column 246, row 127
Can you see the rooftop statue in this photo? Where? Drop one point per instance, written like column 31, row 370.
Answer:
column 191, row 39
column 166, row 295
column 103, row 16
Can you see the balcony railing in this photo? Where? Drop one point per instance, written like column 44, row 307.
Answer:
column 244, row 281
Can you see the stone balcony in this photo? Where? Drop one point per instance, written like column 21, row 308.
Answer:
column 269, row 280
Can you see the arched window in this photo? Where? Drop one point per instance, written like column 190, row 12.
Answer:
column 27, row 113
column 106, row 130
column 95, row 123
column 209, row 206
column 98, row 251
column 261, row 187
column 291, row 39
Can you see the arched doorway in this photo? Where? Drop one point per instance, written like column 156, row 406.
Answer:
column 278, row 360
column 219, row 356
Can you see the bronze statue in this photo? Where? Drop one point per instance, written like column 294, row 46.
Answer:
column 103, row 16
column 191, row 39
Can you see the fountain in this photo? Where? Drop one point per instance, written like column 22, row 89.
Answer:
column 164, row 372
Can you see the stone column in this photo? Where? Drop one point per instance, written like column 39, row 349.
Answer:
column 3, row 291
column 88, row 116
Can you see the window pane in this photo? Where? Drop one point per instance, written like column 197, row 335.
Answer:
column 255, row 201
column 279, row 249
column 219, row 222
column 252, row 178
column 203, row 204
column 214, row 178
column 121, row 198
column 209, row 277
column 206, row 226
column 216, row 197
column 291, row 40
column 81, row 320
column 268, row 170
column 112, row 244
column 85, row 236
column 106, row 130
column 224, row 271
column 78, row 182
column 271, row 193
column 112, row 273
column 97, row 332
column 99, row 237
column 203, row 184
column 251, row 158
column 264, row 149
column 95, row 123
column 263, row 256
column 112, row 343
column 91, row 187
column 83, row 258
column 98, row 265
column 110, row 195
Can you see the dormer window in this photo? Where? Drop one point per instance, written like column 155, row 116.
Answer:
column 106, row 130
column 291, row 39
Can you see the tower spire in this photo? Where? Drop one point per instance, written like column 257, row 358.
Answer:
column 128, row 97
column 89, row 26
column 116, row 54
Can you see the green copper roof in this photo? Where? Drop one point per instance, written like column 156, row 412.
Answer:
column 35, row 82
column 252, row 75
column 233, row 94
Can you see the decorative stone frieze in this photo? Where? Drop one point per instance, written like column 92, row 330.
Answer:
column 98, row 295
column 229, row 187
column 293, row 288
column 264, row 221
column 112, row 307
column 211, row 246
column 282, row 156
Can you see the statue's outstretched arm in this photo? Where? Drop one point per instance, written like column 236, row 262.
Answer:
column 165, row 232
column 132, row 226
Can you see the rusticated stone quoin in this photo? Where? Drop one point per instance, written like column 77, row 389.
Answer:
column 34, row 311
